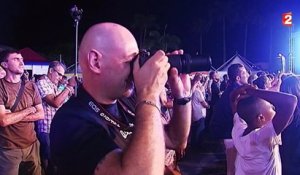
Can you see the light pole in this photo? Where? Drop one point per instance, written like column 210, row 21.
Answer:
column 76, row 15
column 282, row 59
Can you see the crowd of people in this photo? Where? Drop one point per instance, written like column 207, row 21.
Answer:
column 133, row 119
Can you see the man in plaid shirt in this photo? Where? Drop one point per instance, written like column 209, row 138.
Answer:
column 52, row 100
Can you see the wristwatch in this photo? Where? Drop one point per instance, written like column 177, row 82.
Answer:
column 182, row 101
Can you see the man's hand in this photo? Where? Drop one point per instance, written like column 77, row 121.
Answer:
column 70, row 89
column 72, row 81
column 238, row 94
column 150, row 79
column 31, row 110
column 180, row 84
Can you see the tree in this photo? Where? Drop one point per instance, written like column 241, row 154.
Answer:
column 142, row 24
column 165, row 41
column 201, row 26
column 250, row 14
column 222, row 11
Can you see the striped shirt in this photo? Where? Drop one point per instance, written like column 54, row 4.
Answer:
column 46, row 87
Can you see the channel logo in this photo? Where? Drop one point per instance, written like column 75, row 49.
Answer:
column 287, row 19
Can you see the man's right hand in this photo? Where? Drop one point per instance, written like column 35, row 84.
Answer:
column 32, row 110
column 72, row 81
column 238, row 94
column 150, row 79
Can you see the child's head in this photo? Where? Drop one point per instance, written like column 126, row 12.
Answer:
column 255, row 111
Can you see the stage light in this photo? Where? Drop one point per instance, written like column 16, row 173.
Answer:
column 297, row 52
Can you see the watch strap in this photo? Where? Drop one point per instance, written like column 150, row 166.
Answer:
column 182, row 101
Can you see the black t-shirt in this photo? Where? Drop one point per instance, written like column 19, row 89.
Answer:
column 79, row 137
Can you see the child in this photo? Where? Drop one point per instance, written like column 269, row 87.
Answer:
column 257, row 128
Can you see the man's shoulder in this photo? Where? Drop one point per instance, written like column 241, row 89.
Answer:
column 72, row 118
column 72, row 113
column 30, row 83
column 78, row 140
column 71, row 108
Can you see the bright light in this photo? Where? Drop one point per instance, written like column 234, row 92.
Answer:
column 297, row 52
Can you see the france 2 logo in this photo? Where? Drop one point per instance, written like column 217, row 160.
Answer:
column 287, row 19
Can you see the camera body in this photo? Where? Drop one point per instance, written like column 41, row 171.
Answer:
column 184, row 63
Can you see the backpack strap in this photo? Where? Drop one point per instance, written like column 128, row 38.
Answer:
column 19, row 96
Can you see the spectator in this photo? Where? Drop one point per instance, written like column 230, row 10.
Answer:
column 257, row 128
column 52, row 100
column 199, row 106
column 90, row 133
column 224, row 83
column 262, row 82
column 289, row 150
column 252, row 78
column 215, row 94
column 276, row 83
column 20, row 106
column 222, row 119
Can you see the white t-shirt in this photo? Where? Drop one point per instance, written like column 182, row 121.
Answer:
column 258, row 151
column 198, row 111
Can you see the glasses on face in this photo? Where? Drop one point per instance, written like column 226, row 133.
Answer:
column 59, row 74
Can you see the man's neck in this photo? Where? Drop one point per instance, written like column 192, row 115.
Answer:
column 97, row 94
column 13, row 78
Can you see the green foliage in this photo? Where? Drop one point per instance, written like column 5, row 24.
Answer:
column 150, row 35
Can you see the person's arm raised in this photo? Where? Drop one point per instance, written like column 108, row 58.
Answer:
column 51, row 99
column 177, row 130
column 57, row 101
column 146, row 151
column 284, row 104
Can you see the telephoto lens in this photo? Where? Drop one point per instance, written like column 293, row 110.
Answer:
column 184, row 63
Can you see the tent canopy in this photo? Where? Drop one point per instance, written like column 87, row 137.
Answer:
column 237, row 58
column 31, row 56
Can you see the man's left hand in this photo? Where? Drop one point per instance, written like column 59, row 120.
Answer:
column 180, row 84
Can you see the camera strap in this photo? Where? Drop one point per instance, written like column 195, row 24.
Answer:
column 125, row 129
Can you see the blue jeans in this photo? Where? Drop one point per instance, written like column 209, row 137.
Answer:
column 21, row 161
column 47, row 164
column 197, row 132
column 45, row 145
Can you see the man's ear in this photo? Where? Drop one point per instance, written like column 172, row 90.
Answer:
column 95, row 60
column 261, row 118
column 50, row 70
column 237, row 78
column 4, row 65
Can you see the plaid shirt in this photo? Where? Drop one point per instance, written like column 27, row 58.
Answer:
column 46, row 87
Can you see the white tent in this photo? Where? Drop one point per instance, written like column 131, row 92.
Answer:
column 237, row 58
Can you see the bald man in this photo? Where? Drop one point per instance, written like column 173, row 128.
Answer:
column 96, row 133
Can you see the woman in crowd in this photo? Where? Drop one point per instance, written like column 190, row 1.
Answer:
column 289, row 151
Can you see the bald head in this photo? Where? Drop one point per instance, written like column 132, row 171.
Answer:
column 104, row 39
column 105, row 54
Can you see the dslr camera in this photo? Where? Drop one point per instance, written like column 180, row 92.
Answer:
column 184, row 63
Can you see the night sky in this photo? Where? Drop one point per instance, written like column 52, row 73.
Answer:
column 47, row 27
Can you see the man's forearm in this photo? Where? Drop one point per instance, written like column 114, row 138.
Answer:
column 276, row 98
column 148, row 140
column 12, row 118
column 60, row 99
column 33, row 117
column 146, row 151
column 179, row 126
